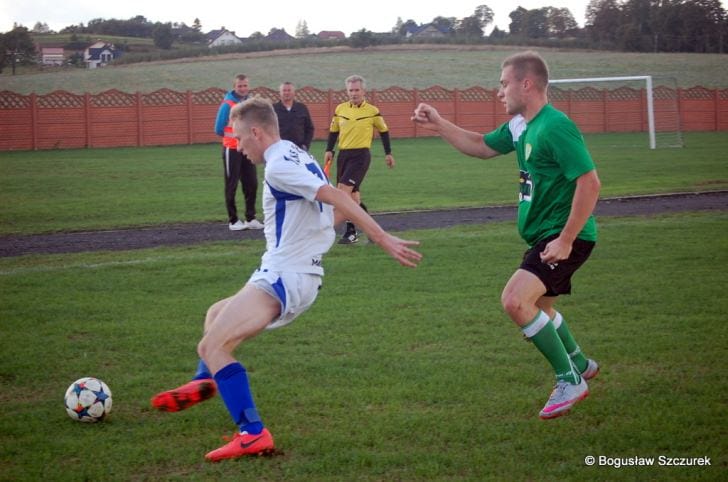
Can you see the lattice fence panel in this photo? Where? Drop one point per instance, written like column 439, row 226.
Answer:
column 11, row 100
column 587, row 94
column 310, row 95
column 164, row 97
column 477, row 94
column 664, row 93
column 556, row 94
column 436, row 94
column 266, row 93
column 208, row 97
column 113, row 98
column 339, row 96
column 395, row 94
column 60, row 99
column 697, row 93
column 624, row 93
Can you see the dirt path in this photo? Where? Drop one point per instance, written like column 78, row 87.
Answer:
column 187, row 234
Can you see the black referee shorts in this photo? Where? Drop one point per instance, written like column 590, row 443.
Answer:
column 351, row 167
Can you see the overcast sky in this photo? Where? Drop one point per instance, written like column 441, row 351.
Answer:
column 374, row 15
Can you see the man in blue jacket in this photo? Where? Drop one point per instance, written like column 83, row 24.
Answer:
column 238, row 168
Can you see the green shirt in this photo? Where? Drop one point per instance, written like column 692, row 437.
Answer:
column 551, row 156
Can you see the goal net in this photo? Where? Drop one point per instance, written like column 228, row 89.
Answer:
column 643, row 107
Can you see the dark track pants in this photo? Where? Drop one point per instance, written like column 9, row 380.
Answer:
column 238, row 168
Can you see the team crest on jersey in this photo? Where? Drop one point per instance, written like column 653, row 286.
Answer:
column 527, row 151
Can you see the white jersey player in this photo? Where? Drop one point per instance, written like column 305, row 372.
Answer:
column 301, row 209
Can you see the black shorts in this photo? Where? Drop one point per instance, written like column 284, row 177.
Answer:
column 556, row 277
column 351, row 167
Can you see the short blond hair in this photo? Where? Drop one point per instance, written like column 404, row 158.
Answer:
column 529, row 63
column 257, row 112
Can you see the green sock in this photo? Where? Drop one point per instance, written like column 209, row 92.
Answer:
column 543, row 334
column 574, row 351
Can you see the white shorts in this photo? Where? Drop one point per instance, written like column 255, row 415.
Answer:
column 295, row 291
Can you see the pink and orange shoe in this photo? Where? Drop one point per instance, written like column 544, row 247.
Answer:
column 185, row 396
column 244, row 444
column 564, row 396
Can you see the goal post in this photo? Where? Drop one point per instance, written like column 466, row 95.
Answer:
column 669, row 120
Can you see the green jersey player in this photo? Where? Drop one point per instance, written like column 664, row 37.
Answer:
column 558, row 191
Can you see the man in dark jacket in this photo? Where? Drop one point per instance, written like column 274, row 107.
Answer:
column 294, row 121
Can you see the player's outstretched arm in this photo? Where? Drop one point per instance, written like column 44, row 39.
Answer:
column 467, row 142
column 346, row 208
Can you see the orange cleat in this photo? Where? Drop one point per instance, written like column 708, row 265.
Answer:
column 244, row 444
column 185, row 396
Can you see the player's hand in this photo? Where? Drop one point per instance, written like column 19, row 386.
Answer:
column 389, row 159
column 400, row 250
column 328, row 156
column 555, row 251
column 426, row 116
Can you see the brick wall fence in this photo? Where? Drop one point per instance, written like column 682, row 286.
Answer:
column 62, row 120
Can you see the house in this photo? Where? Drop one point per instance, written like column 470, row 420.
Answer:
column 331, row 35
column 100, row 54
column 426, row 31
column 278, row 35
column 52, row 56
column 221, row 38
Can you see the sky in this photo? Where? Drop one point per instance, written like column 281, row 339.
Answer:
column 373, row 15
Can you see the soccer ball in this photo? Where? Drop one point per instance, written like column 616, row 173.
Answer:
column 88, row 399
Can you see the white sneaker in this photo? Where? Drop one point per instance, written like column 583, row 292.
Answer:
column 236, row 226
column 563, row 397
column 253, row 224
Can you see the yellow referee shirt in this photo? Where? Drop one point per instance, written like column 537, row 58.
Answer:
column 355, row 125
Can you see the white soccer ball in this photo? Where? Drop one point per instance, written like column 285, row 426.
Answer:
column 88, row 399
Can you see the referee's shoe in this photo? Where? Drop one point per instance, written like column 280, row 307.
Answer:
column 350, row 236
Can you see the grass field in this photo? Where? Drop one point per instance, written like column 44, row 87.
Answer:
column 458, row 67
column 102, row 188
column 394, row 374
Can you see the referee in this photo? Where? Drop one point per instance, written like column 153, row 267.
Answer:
column 353, row 126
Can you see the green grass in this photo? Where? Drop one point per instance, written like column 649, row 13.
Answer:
column 459, row 67
column 103, row 188
column 394, row 374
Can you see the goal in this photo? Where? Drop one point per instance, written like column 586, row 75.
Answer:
column 640, row 104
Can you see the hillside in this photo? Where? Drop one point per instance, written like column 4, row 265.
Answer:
column 412, row 66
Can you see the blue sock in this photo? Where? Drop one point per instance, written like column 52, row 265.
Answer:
column 202, row 371
column 232, row 383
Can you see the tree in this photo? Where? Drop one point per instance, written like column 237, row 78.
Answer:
column 41, row 27
column 362, row 38
column 603, row 18
column 397, row 26
column 497, row 34
column 560, row 21
column 472, row 26
column 485, row 14
column 16, row 47
column 197, row 25
column 445, row 24
column 518, row 24
column 408, row 25
column 162, row 35
column 302, row 29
